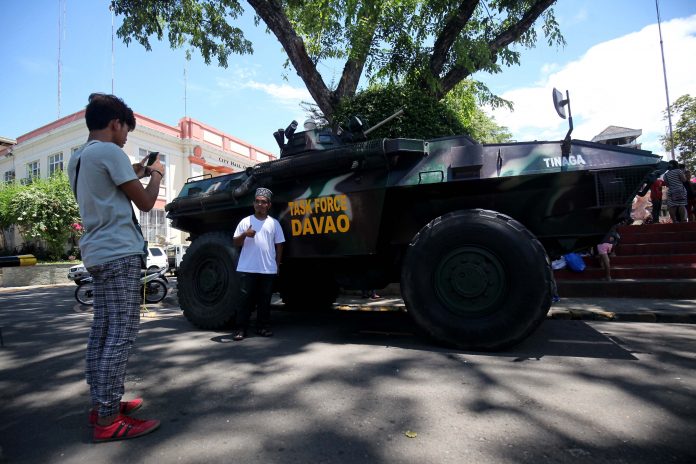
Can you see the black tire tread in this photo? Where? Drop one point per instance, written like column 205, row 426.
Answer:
column 494, row 344
column 224, row 312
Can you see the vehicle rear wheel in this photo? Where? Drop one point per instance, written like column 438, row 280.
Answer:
column 207, row 282
column 476, row 279
column 84, row 293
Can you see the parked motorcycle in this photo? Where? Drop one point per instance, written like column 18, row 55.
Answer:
column 154, row 283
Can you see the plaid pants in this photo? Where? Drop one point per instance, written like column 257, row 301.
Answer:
column 114, row 328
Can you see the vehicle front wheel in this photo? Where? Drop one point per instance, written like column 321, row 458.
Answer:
column 476, row 279
column 207, row 283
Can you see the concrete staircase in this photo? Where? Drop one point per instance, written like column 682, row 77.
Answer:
column 652, row 261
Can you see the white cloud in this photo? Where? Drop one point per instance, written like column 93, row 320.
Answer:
column 283, row 95
column 284, row 92
column 619, row 82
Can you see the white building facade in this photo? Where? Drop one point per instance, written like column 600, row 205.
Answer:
column 189, row 149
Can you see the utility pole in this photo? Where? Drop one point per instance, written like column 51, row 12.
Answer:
column 112, row 49
column 61, row 18
column 664, row 73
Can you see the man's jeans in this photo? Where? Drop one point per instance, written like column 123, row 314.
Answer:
column 255, row 293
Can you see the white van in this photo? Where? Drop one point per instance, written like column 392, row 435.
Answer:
column 175, row 254
column 156, row 258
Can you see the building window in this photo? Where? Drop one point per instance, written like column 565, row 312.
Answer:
column 33, row 170
column 9, row 176
column 55, row 163
column 154, row 226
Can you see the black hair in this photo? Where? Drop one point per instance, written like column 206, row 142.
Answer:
column 673, row 164
column 103, row 108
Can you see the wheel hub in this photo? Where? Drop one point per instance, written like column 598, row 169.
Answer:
column 469, row 280
column 210, row 281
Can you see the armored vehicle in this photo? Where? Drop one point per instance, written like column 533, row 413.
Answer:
column 465, row 228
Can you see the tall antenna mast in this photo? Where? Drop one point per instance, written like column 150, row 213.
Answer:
column 112, row 49
column 185, row 89
column 664, row 73
column 61, row 18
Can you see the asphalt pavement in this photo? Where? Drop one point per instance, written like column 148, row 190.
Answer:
column 594, row 309
column 354, row 387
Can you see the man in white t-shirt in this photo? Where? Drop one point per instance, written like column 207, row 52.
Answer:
column 261, row 239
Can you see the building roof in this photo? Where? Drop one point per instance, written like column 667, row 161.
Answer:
column 6, row 142
column 617, row 132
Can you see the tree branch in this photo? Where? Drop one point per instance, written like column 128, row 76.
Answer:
column 356, row 62
column 449, row 34
column 505, row 38
column 273, row 15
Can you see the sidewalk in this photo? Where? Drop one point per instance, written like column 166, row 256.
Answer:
column 594, row 309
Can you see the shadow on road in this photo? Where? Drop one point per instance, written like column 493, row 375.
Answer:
column 328, row 387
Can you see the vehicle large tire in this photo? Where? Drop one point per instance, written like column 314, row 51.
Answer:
column 155, row 291
column 476, row 279
column 207, row 283
column 84, row 293
column 295, row 294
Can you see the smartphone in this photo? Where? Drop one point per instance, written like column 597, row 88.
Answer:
column 151, row 158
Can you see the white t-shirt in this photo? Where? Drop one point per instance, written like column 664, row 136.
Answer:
column 258, row 253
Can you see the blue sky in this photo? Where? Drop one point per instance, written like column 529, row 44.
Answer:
column 611, row 65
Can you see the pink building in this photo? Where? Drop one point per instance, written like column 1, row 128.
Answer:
column 189, row 149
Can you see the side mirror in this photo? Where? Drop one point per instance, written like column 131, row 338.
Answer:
column 559, row 102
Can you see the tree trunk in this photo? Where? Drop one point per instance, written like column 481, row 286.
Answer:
column 271, row 12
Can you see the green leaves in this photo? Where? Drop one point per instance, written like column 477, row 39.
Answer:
column 208, row 26
column 684, row 130
column 442, row 41
column 424, row 117
column 44, row 210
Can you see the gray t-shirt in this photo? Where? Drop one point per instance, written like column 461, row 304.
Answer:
column 107, row 214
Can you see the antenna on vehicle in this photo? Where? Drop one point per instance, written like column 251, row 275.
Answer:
column 399, row 112
column 560, row 103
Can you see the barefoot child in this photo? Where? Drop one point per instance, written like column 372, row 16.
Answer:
column 603, row 249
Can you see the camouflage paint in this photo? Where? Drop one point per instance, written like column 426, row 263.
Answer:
column 360, row 199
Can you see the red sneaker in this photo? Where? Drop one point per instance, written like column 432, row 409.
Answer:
column 126, row 408
column 123, row 428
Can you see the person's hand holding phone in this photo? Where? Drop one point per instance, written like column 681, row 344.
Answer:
column 151, row 163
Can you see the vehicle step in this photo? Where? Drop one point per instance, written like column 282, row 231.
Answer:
column 627, row 249
column 649, row 260
column 656, row 228
column 659, row 237
column 684, row 271
column 629, row 288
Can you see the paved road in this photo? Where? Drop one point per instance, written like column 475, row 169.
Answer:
column 346, row 387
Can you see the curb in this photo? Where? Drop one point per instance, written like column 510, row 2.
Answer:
column 643, row 316
column 667, row 317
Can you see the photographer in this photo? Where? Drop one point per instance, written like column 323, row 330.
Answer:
column 112, row 246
